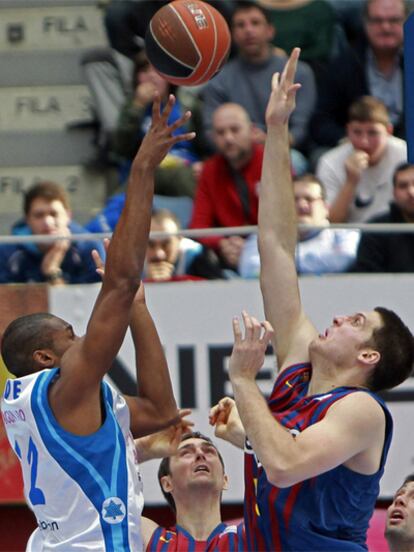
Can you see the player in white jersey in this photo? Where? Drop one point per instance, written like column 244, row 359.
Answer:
column 70, row 429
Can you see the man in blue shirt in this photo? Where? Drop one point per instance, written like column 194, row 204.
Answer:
column 47, row 213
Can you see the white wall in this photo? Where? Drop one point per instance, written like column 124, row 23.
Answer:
column 197, row 315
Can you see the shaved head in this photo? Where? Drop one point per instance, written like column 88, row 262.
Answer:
column 232, row 134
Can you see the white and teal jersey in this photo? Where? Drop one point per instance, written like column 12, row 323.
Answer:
column 85, row 491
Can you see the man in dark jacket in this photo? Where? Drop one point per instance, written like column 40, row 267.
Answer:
column 373, row 68
column 391, row 252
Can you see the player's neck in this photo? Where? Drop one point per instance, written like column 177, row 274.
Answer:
column 326, row 377
column 199, row 515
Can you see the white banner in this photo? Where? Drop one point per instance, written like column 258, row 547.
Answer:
column 194, row 322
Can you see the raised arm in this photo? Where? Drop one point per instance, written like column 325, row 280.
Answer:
column 76, row 393
column 278, row 227
column 155, row 406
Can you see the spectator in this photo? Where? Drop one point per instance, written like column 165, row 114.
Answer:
column 246, row 79
column 390, row 252
column 192, row 481
column 399, row 529
column 174, row 257
column 357, row 174
column 175, row 176
column 291, row 19
column 373, row 68
column 317, row 251
column 170, row 257
column 227, row 190
column 47, row 213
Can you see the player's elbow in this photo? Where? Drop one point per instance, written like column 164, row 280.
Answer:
column 124, row 287
column 284, row 471
column 279, row 477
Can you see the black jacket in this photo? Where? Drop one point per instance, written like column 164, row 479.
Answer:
column 386, row 252
column 342, row 83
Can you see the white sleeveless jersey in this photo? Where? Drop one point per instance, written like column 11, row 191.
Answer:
column 85, row 491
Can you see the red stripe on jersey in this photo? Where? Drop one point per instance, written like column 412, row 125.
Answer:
column 274, row 527
column 290, row 503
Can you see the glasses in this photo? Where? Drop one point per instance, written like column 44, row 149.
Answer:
column 383, row 20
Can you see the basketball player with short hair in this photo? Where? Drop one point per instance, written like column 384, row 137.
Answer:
column 399, row 529
column 192, row 480
column 71, row 430
column 315, row 452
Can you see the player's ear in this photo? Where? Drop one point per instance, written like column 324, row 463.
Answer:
column 225, row 482
column 166, row 483
column 44, row 358
column 369, row 357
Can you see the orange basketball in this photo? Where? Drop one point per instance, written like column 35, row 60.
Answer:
column 187, row 42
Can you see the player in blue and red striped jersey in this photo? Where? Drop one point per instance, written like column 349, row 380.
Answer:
column 316, row 451
column 192, row 481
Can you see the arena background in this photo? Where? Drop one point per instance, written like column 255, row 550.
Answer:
column 194, row 321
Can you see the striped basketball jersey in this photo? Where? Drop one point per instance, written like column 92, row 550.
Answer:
column 224, row 538
column 329, row 512
column 85, row 491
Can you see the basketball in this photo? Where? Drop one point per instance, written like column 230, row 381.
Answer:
column 187, row 42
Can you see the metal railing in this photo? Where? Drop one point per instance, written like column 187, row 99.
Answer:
column 390, row 228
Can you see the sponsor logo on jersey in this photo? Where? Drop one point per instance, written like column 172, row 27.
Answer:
column 229, row 529
column 323, row 397
column 113, row 510
column 47, row 525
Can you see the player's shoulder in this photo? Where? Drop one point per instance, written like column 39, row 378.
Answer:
column 22, row 387
column 360, row 405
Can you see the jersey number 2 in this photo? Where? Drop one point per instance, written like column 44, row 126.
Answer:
column 36, row 496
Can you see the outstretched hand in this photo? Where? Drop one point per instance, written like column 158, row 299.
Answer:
column 225, row 418
column 164, row 443
column 159, row 139
column 282, row 99
column 249, row 351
